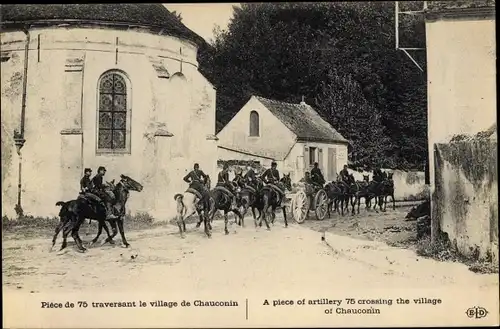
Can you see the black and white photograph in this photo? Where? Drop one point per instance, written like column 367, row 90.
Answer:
column 258, row 164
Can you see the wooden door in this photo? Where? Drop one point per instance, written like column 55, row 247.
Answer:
column 332, row 164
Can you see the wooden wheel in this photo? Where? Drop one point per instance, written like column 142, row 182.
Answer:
column 300, row 207
column 321, row 204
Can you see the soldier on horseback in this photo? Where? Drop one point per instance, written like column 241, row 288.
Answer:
column 196, row 179
column 99, row 188
column 223, row 181
column 239, row 180
column 85, row 182
column 344, row 177
column 250, row 176
column 316, row 176
column 272, row 176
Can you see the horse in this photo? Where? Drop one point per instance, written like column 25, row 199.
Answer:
column 388, row 191
column 378, row 188
column 268, row 200
column 74, row 212
column 189, row 203
column 220, row 200
column 111, row 186
column 248, row 195
column 335, row 194
column 363, row 191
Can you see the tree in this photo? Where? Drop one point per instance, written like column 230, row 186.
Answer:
column 285, row 51
column 341, row 101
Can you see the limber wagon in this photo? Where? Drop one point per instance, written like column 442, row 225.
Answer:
column 306, row 198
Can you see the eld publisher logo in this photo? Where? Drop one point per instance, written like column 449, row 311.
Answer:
column 476, row 312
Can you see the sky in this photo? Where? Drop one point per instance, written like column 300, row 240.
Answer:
column 203, row 17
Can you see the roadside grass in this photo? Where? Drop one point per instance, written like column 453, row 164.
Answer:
column 35, row 226
column 444, row 251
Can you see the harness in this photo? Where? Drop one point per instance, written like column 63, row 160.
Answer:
column 222, row 189
column 197, row 178
column 275, row 188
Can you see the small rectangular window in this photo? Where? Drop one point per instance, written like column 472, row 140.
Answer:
column 312, row 155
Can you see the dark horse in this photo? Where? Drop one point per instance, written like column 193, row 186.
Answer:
column 267, row 200
column 364, row 189
column 247, row 195
column 190, row 202
column 388, row 190
column 74, row 212
column 337, row 194
column 220, row 200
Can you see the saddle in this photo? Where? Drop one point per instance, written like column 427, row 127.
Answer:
column 195, row 192
column 90, row 197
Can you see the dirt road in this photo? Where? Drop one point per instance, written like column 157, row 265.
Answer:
column 282, row 258
column 309, row 262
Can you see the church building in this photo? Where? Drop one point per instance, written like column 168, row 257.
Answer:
column 89, row 85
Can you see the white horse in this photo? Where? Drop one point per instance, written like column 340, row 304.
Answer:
column 187, row 205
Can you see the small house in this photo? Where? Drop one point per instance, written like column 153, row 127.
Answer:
column 293, row 135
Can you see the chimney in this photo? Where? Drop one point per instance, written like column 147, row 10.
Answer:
column 303, row 102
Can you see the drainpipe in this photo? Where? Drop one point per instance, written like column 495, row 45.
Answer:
column 19, row 136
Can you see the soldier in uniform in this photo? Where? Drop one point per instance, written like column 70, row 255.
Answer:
column 99, row 189
column 223, row 180
column 344, row 176
column 272, row 176
column 238, row 177
column 316, row 176
column 85, row 182
column 250, row 176
column 196, row 179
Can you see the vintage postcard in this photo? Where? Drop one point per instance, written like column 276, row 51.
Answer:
column 177, row 165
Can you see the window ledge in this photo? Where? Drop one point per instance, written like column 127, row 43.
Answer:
column 112, row 152
column 163, row 133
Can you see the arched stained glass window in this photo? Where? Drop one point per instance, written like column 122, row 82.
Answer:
column 254, row 123
column 112, row 122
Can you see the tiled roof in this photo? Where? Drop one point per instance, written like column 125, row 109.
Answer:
column 303, row 121
column 151, row 14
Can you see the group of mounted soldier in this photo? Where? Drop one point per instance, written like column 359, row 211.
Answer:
column 250, row 180
column 96, row 189
column 346, row 188
column 263, row 192
column 196, row 179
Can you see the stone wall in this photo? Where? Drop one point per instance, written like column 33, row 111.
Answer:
column 465, row 200
column 408, row 185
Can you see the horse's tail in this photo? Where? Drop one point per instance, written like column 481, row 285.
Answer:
column 64, row 211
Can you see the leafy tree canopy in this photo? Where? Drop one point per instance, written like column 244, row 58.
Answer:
column 341, row 57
